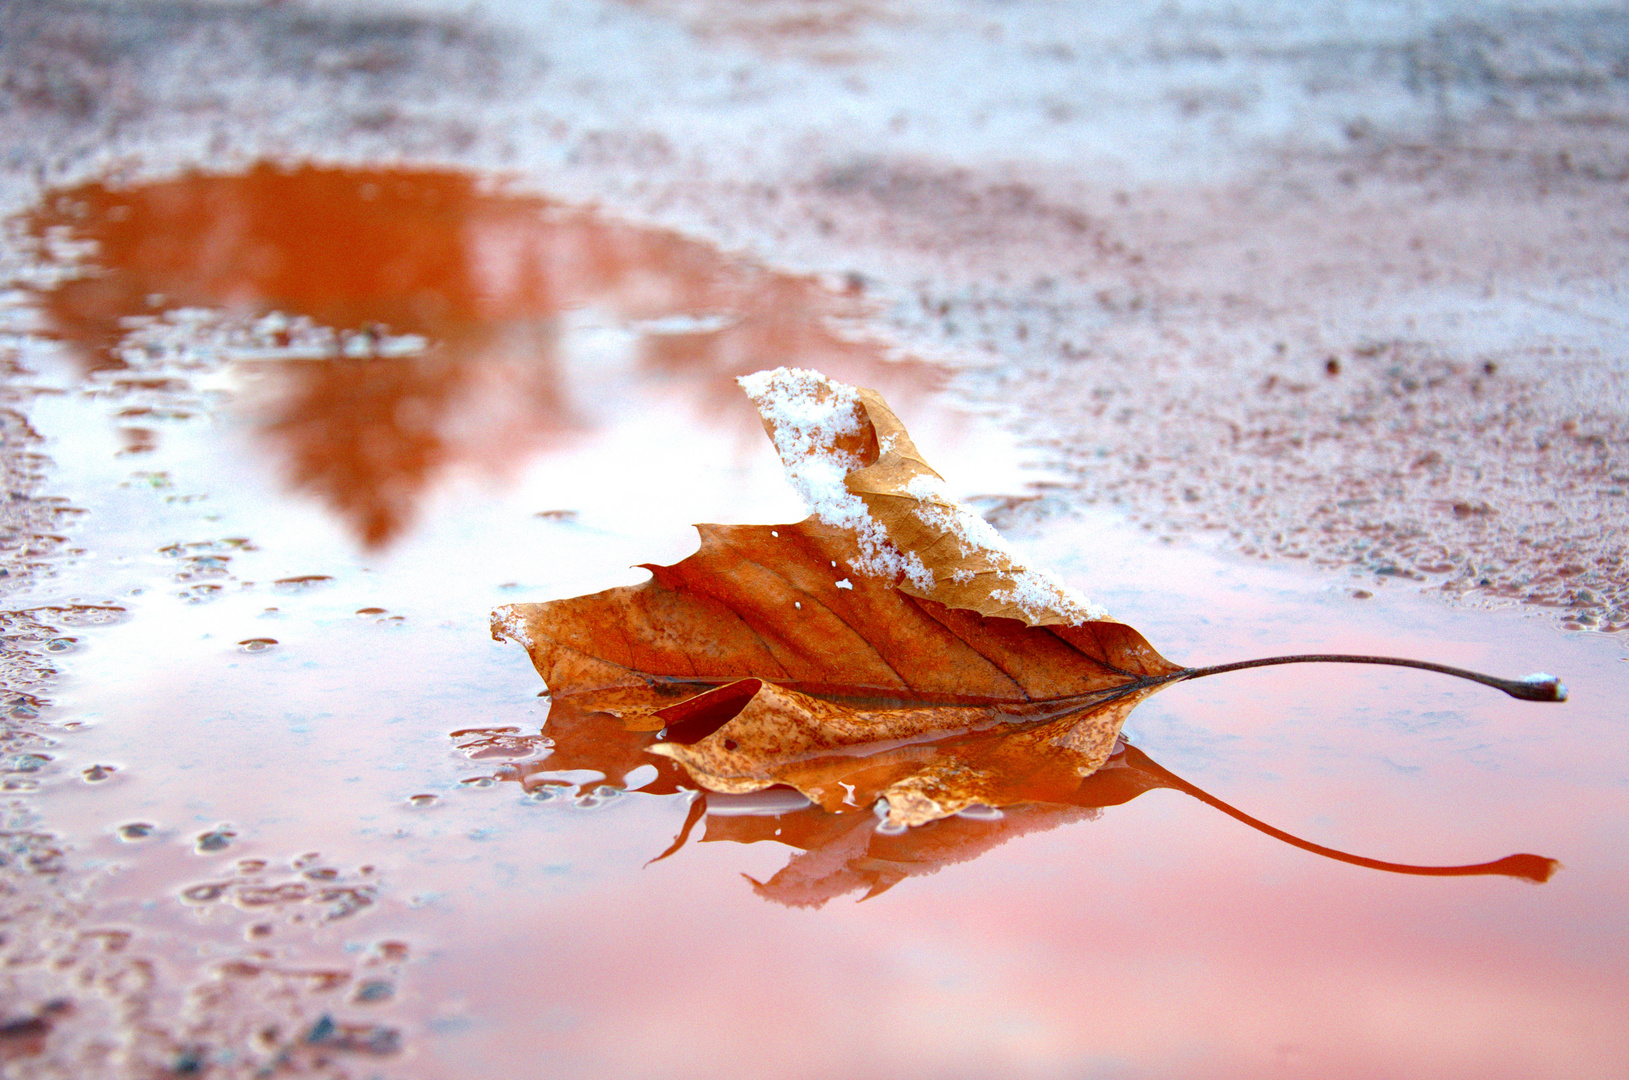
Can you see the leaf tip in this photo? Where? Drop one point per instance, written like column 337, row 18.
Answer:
column 508, row 624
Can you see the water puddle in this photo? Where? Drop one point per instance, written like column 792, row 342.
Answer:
column 275, row 790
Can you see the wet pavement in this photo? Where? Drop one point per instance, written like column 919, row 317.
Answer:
column 329, row 330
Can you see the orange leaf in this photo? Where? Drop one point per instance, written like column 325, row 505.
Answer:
column 769, row 603
column 890, row 647
column 891, row 620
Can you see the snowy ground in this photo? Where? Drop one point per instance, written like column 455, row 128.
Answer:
column 1334, row 282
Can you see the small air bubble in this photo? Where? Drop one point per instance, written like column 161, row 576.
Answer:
column 256, row 644
column 422, row 800
column 136, row 830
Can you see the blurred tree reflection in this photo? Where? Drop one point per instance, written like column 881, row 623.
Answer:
column 368, row 256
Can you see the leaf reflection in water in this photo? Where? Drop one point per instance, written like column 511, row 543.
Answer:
column 847, row 849
column 392, row 326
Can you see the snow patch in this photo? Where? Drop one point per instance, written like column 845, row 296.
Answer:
column 807, row 415
column 1033, row 591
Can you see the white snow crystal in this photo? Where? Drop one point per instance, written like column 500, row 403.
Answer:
column 807, row 414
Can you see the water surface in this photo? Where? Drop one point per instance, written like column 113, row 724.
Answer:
column 314, row 424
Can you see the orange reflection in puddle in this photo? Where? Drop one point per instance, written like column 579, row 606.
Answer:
column 403, row 323
column 844, row 852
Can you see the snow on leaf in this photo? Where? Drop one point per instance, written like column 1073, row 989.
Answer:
column 851, row 459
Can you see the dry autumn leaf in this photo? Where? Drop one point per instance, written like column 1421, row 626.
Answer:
column 890, row 647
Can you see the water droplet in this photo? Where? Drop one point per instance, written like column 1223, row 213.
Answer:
column 301, row 583
column 477, row 782
column 136, row 830
column 422, row 800
column 375, row 990
column 215, row 840
column 393, row 952
column 97, row 773
column 202, row 894
column 257, row 644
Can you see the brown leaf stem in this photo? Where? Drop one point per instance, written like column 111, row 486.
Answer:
column 1532, row 688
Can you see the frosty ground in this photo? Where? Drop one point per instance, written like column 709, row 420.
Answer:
column 1326, row 285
